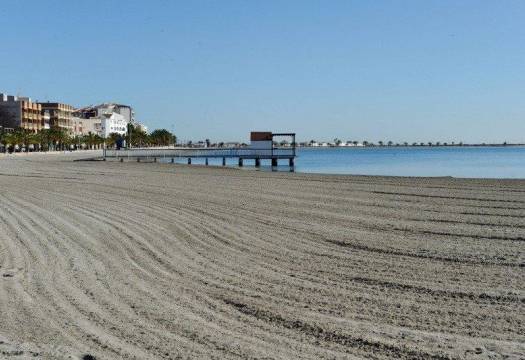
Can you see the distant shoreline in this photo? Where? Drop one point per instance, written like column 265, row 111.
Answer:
column 410, row 146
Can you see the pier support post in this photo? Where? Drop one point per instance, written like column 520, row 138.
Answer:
column 223, row 161
column 274, row 161
column 291, row 162
column 257, row 162
column 240, row 162
column 189, row 161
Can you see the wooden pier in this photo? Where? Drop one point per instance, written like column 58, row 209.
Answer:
column 256, row 152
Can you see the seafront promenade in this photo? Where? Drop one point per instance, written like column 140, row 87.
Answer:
column 161, row 261
column 83, row 154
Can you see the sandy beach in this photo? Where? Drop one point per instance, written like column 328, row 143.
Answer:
column 131, row 260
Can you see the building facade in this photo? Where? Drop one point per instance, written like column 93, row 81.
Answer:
column 114, row 123
column 98, row 110
column 261, row 140
column 88, row 126
column 103, row 119
column 20, row 112
column 60, row 115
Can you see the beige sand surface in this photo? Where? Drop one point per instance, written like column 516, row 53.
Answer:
column 159, row 261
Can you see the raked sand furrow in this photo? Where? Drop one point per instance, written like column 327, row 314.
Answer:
column 75, row 209
column 57, row 290
column 158, row 261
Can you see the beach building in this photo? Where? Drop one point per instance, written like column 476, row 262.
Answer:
column 60, row 115
column 87, row 126
column 105, row 118
column 113, row 123
column 78, row 125
column 93, row 111
column 261, row 140
column 20, row 112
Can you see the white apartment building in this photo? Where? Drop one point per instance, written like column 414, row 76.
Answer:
column 98, row 110
column 104, row 119
column 113, row 123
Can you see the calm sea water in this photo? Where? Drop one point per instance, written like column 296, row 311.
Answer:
column 469, row 162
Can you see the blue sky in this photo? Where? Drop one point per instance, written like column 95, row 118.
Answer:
column 356, row 70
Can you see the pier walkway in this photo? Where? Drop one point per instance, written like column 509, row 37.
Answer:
column 261, row 148
column 241, row 154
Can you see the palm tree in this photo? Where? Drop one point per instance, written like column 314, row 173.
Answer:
column 9, row 141
column 58, row 137
column 68, row 141
column 91, row 140
column 30, row 140
column 23, row 137
column 162, row 137
column 3, row 136
column 78, row 141
column 18, row 138
column 43, row 139
column 98, row 141
column 113, row 139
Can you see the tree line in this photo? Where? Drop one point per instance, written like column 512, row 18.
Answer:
column 338, row 142
column 59, row 139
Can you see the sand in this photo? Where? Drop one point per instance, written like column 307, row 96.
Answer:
column 113, row 260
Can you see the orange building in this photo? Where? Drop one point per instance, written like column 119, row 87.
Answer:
column 60, row 115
